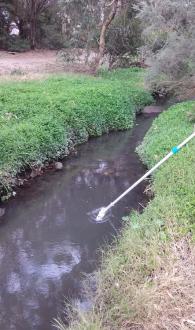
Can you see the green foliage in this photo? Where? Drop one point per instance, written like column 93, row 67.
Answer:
column 17, row 44
column 40, row 27
column 174, row 183
column 44, row 120
column 81, row 21
column 167, row 130
column 191, row 115
column 49, row 28
column 169, row 44
column 124, row 36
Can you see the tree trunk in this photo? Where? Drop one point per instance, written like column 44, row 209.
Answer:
column 105, row 25
column 33, row 34
column 22, row 26
column 33, row 25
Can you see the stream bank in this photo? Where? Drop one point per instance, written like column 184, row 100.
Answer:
column 50, row 117
column 146, row 280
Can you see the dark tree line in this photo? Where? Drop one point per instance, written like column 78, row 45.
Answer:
column 103, row 24
column 36, row 21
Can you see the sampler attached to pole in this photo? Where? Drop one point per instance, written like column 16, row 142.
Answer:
column 174, row 151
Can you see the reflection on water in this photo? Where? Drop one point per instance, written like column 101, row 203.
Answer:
column 46, row 239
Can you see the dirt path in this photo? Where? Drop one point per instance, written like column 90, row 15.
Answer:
column 37, row 62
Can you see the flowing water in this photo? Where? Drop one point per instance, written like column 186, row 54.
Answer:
column 48, row 242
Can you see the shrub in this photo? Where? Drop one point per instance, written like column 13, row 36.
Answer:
column 17, row 44
column 170, row 47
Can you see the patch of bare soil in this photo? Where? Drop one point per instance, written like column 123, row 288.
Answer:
column 29, row 62
column 33, row 64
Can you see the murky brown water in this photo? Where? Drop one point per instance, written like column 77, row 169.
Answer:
column 47, row 241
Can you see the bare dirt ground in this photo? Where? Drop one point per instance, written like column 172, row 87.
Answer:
column 29, row 62
column 34, row 65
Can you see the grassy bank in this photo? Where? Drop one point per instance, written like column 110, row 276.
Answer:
column 147, row 280
column 44, row 120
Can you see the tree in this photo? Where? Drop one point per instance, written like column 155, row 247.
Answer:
column 109, row 27
column 81, row 19
column 27, row 13
column 6, row 16
column 114, row 6
column 123, row 39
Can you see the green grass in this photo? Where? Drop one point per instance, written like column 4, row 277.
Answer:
column 43, row 120
column 148, row 273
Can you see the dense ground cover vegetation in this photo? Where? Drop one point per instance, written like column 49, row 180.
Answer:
column 43, row 120
column 147, row 279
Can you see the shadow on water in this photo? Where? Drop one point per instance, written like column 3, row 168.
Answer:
column 47, row 240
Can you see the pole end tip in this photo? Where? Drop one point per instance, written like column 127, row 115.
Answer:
column 101, row 214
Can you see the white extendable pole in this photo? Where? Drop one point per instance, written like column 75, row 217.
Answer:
column 174, row 150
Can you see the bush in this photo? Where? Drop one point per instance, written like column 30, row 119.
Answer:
column 17, row 44
column 50, row 117
column 170, row 47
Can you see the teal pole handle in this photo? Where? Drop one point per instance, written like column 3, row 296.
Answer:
column 175, row 150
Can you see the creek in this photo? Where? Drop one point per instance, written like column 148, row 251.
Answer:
column 48, row 242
